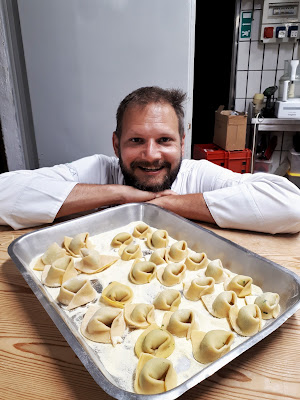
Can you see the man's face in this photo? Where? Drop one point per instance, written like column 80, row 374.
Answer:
column 150, row 149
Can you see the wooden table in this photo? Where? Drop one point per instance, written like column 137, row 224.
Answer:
column 37, row 363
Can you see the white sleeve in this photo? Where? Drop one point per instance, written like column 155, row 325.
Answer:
column 259, row 202
column 31, row 198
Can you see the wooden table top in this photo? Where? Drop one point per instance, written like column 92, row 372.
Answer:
column 37, row 363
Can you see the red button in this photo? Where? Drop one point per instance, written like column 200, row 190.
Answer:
column 268, row 32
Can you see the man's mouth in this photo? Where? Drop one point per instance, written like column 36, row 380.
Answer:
column 147, row 169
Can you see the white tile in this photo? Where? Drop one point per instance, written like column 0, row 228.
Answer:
column 243, row 55
column 256, row 25
column 270, row 56
column 253, row 83
column 268, row 79
column 246, row 4
column 256, row 55
column 241, row 84
column 285, row 53
column 240, row 105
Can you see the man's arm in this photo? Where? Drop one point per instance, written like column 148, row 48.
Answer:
column 84, row 197
column 191, row 206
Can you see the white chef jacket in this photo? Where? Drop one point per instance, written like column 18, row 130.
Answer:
column 259, row 202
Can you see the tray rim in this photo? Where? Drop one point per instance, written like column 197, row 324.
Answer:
column 74, row 342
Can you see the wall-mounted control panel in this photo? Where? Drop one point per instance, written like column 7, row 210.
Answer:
column 280, row 21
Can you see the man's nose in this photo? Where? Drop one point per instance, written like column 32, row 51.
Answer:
column 151, row 151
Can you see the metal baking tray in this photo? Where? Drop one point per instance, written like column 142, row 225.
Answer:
column 267, row 274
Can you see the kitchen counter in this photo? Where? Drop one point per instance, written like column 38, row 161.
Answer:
column 36, row 362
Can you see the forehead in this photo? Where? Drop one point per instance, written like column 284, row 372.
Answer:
column 152, row 116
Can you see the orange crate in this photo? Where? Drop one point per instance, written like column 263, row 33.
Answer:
column 236, row 160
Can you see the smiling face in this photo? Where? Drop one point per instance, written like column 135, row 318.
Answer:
column 150, row 149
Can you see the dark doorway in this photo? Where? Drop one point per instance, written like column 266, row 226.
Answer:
column 3, row 161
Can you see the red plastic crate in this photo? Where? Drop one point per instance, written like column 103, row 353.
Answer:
column 236, row 161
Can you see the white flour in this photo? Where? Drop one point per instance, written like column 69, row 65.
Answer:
column 120, row 361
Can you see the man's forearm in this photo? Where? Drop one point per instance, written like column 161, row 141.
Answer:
column 191, row 206
column 86, row 197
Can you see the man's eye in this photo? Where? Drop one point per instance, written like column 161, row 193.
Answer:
column 164, row 140
column 135, row 140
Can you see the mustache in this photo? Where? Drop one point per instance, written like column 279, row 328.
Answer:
column 146, row 164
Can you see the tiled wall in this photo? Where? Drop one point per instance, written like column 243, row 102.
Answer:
column 259, row 66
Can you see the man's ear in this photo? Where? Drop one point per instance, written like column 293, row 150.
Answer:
column 116, row 144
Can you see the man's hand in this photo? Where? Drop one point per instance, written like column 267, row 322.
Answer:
column 191, row 206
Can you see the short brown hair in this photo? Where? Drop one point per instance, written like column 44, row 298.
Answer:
column 153, row 94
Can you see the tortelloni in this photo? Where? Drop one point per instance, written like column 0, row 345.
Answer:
column 139, row 315
column 269, row 306
column 247, row 321
column 180, row 323
column 172, row 274
column 130, row 252
column 177, row 252
column 158, row 239
column 141, row 230
column 78, row 242
column 103, row 324
column 220, row 305
column 240, row 284
column 210, row 346
column 76, row 292
column 92, row 261
column 168, row 300
column 215, row 270
column 117, row 295
column 59, row 272
column 142, row 272
column 198, row 288
column 154, row 375
column 158, row 256
column 121, row 238
column 156, row 341
column 53, row 252
column 196, row 261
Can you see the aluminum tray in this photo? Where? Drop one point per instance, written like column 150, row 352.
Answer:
column 267, row 274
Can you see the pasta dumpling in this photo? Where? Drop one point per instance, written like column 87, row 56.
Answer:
column 269, row 306
column 92, row 261
column 198, row 287
column 154, row 375
column 141, row 230
column 210, row 346
column 76, row 292
column 142, row 272
column 220, row 305
column 177, row 252
column 180, row 323
column 103, row 324
column 196, row 261
column 78, row 242
column 246, row 321
column 172, row 274
column 240, row 284
column 117, row 295
column 215, row 270
column 139, row 315
column 158, row 256
column 158, row 239
column 130, row 252
column 53, row 252
column 59, row 272
column 168, row 300
column 121, row 238
column 156, row 341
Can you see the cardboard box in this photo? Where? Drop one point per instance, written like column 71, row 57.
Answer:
column 230, row 130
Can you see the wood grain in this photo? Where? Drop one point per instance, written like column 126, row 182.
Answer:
column 37, row 363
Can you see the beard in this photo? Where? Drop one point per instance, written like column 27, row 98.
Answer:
column 166, row 183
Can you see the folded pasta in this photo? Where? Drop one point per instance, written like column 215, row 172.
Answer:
column 198, row 287
column 180, row 323
column 240, row 284
column 121, row 238
column 215, row 270
column 76, row 292
column 158, row 256
column 142, row 272
column 269, row 306
column 172, row 274
column 177, row 252
column 139, row 315
column 158, row 239
column 154, row 375
column 103, row 324
column 59, row 272
column 117, row 294
column 78, row 242
column 210, row 346
column 246, row 321
column 53, row 252
column 155, row 341
column 130, row 252
column 92, row 261
column 141, row 230
column 196, row 261
column 168, row 300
